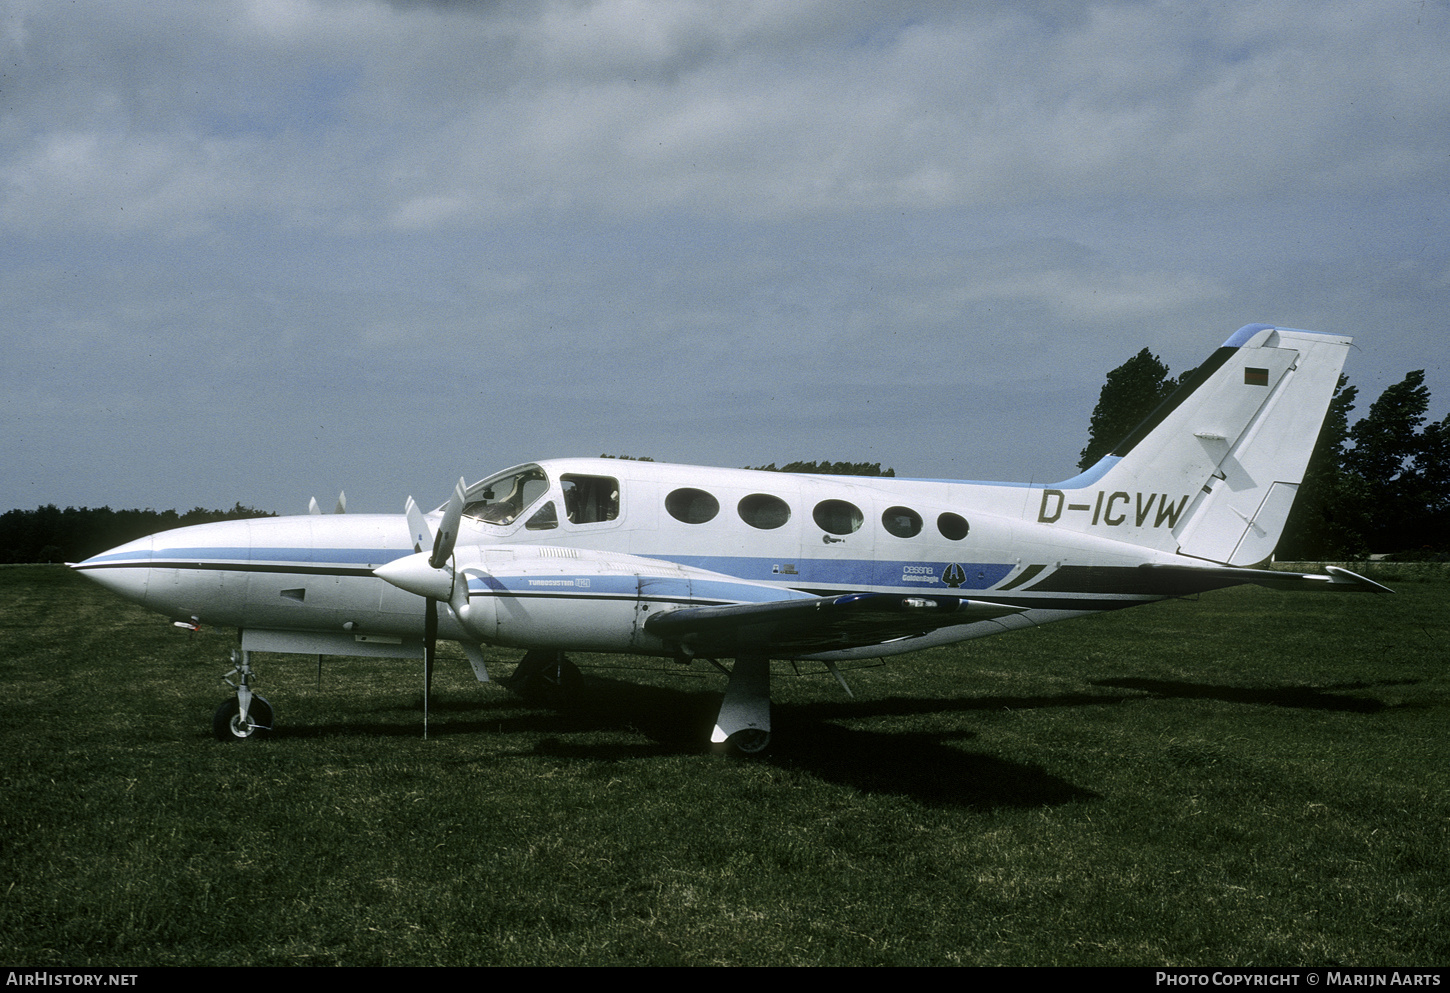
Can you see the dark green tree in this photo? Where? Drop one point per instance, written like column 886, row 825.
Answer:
column 1328, row 518
column 830, row 468
column 49, row 534
column 1433, row 465
column 1385, row 440
column 1130, row 394
column 1381, row 485
column 1389, row 457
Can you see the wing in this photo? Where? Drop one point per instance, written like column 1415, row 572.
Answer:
column 816, row 624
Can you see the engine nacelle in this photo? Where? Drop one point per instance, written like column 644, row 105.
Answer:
column 583, row 600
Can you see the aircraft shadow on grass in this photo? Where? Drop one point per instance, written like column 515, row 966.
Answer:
column 919, row 765
column 1298, row 697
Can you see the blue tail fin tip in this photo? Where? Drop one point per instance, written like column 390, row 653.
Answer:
column 1243, row 334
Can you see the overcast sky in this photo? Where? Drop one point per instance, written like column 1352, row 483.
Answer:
column 259, row 251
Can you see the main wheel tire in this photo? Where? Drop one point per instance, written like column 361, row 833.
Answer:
column 227, row 724
column 751, row 741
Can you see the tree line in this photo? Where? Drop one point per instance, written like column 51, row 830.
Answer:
column 1381, row 485
column 49, row 534
column 829, row 468
column 820, row 468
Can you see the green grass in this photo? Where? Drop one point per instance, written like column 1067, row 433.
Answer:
column 1250, row 778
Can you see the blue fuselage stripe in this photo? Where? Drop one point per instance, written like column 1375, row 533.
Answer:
column 796, row 574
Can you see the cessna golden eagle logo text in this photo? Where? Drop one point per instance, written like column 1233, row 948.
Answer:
column 952, row 575
column 1114, row 509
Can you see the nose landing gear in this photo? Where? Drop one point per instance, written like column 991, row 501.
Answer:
column 246, row 715
column 228, row 724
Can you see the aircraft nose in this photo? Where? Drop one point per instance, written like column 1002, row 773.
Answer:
column 125, row 569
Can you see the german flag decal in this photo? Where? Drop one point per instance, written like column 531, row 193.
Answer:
column 1256, row 377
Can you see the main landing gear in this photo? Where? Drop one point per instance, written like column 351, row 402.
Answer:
column 743, row 726
column 547, row 678
column 246, row 715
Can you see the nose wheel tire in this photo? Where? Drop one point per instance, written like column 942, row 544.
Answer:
column 227, row 724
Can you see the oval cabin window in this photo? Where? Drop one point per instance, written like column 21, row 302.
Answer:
column 691, row 506
column 901, row 521
column 763, row 511
column 838, row 517
column 953, row 526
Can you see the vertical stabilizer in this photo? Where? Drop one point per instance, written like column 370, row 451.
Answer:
column 1213, row 471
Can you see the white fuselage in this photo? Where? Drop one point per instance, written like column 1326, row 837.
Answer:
column 644, row 536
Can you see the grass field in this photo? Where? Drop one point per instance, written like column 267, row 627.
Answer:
column 1249, row 778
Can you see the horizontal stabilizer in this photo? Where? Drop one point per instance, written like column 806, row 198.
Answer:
column 1333, row 578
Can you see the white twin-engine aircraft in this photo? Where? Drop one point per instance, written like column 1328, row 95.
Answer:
column 684, row 562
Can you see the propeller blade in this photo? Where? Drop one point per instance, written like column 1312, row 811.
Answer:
column 430, row 649
column 312, row 507
column 448, row 527
column 341, row 507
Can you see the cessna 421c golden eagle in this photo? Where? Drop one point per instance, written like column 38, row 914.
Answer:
column 686, row 562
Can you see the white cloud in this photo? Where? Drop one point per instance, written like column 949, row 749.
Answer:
column 455, row 206
column 629, row 108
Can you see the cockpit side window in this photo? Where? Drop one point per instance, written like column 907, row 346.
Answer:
column 502, row 499
column 544, row 518
column 590, row 499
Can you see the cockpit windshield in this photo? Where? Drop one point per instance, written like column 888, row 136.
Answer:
column 502, row 498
